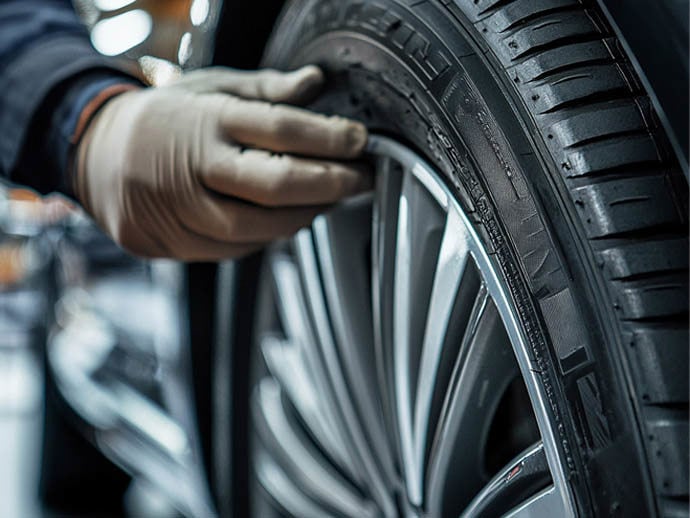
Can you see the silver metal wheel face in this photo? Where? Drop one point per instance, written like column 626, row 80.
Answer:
column 397, row 378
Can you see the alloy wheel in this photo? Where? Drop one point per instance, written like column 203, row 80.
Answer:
column 396, row 377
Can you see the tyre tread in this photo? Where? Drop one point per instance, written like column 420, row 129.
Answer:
column 604, row 137
column 564, row 59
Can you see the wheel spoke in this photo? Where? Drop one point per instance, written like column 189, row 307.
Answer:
column 384, row 225
column 545, row 504
column 342, row 251
column 362, row 454
column 283, row 490
column 304, row 462
column 484, row 368
column 401, row 356
column 286, row 364
column 525, row 475
column 450, row 269
column 420, row 226
column 290, row 300
column 294, row 317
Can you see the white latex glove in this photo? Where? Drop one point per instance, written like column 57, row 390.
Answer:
column 208, row 168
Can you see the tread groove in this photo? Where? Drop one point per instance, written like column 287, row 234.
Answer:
column 595, row 98
column 494, row 7
column 679, row 318
column 673, row 408
column 607, row 137
column 643, row 234
column 555, row 44
column 544, row 77
column 627, row 172
column 522, row 22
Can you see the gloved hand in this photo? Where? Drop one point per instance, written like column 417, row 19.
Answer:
column 208, row 168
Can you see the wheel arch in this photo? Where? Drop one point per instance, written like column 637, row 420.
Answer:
column 660, row 58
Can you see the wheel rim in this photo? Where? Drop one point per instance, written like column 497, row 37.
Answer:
column 393, row 363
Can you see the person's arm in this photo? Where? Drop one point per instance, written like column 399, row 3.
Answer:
column 213, row 166
column 49, row 73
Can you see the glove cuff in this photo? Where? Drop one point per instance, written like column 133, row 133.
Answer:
column 95, row 104
column 85, row 117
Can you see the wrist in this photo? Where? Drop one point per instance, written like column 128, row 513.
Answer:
column 55, row 123
column 94, row 105
column 78, row 139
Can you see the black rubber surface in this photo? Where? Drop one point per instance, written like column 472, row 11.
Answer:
column 532, row 110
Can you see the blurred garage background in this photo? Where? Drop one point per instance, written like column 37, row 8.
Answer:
column 107, row 325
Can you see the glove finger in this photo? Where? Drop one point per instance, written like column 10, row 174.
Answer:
column 283, row 180
column 237, row 222
column 287, row 129
column 295, row 87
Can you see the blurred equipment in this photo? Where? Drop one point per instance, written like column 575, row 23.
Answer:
column 177, row 31
column 24, row 273
column 119, row 435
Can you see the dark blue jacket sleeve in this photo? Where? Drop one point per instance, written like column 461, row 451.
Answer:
column 48, row 73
